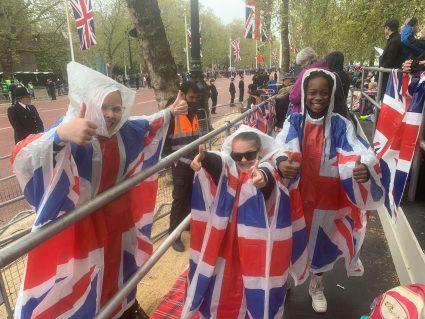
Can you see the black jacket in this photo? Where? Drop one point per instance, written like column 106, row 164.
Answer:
column 392, row 57
column 232, row 88
column 24, row 121
column 213, row 90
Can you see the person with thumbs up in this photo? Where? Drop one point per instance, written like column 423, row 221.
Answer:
column 183, row 129
column 94, row 147
column 241, row 241
column 336, row 175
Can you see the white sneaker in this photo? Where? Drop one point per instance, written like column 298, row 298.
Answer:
column 318, row 298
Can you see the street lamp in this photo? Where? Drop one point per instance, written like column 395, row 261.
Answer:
column 196, row 63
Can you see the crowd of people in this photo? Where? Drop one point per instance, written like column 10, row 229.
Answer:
column 263, row 208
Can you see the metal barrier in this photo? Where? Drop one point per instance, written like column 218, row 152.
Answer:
column 13, row 254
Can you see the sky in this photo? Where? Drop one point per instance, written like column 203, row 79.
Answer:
column 226, row 10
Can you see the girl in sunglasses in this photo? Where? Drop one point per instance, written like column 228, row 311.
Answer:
column 241, row 232
column 337, row 175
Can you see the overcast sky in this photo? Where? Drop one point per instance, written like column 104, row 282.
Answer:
column 226, row 10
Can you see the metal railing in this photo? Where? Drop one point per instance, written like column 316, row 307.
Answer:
column 20, row 243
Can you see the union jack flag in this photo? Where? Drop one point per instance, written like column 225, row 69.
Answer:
column 252, row 21
column 264, row 118
column 189, row 35
column 74, row 274
column 242, row 247
column 236, row 50
column 397, row 133
column 83, row 15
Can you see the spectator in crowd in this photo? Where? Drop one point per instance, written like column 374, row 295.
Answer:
column 183, row 129
column 336, row 177
column 335, row 61
column 288, row 80
column 96, row 146
column 23, row 116
column 241, row 87
column 213, row 95
column 232, row 90
column 307, row 58
column 392, row 57
column 412, row 47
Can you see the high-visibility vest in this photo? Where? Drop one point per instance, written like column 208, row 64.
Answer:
column 185, row 132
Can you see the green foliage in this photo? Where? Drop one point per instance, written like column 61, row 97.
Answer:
column 351, row 26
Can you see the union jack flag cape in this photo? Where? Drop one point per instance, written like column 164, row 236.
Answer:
column 83, row 15
column 74, row 274
column 396, row 134
column 332, row 201
column 242, row 247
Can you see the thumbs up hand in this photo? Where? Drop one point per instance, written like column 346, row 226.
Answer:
column 360, row 171
column 78, row 130
column 258, row 178
column 289, row 168
column 179, row 106
column 196, row 164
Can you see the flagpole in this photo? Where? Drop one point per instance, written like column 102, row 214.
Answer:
column 230, row 53
column 69, row 30
column 187, row 45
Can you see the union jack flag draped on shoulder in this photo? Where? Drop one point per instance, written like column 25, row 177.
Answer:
column 242, row 246
column 83, row 15
column 397, row 133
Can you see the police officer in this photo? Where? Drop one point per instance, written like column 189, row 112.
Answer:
column 23, row 116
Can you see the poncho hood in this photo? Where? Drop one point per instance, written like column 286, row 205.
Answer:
column 91, row 87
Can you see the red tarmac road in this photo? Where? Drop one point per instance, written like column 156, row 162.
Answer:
column 50, row 111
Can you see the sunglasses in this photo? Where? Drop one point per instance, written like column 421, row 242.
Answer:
column 249, row 156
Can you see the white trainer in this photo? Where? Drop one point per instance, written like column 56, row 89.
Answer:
column 318, row 298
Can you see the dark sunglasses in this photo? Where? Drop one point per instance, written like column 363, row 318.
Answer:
column 249, row 156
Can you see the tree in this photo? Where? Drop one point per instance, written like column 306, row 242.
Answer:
column 16, row 21
column 155, row 48
column 284, row 35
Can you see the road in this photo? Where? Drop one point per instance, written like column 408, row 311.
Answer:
column 50, row 111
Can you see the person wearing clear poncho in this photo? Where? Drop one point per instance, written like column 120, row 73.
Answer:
column 96, row 146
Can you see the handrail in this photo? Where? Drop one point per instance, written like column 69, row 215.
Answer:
column 4, row 157
column 35, row 238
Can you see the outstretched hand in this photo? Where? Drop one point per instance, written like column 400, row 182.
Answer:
column 258, row 178
column 179, row 106
column 360, row 172
column 289, row 168
column 78, row 130
column 196, row 164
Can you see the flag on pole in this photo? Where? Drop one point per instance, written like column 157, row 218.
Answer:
column 396, row 135
column 189, row 35
column 236, row 50
column 83, row 15
column 252, row 20
column 260, row 59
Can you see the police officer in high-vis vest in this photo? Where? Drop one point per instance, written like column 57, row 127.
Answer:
column 183, row 130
